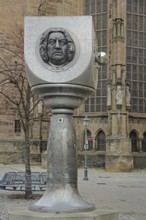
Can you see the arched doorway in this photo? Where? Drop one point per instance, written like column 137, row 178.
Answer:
column 134, row 141
column 100, row 141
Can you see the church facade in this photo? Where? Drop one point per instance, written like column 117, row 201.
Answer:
column 117, row 110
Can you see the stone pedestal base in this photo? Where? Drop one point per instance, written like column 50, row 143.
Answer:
column 119, row 163
column 21, row 213
column 118, row 157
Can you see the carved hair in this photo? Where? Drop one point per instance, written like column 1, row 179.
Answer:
column 44, row 44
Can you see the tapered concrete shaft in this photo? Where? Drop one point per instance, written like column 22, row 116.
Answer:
column 61, row 194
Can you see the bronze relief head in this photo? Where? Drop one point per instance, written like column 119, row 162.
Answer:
column 57, row 48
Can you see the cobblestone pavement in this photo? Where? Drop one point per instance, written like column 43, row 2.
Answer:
column 124, row 192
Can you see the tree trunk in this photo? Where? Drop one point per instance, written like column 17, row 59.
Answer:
column 28, row 189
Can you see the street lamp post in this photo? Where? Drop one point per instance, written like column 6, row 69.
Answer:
column 85, row 123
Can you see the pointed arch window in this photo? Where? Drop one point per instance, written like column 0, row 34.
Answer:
column 134, row 141
column 100, row 141
column 144, row 142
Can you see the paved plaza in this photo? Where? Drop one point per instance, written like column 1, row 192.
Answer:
column 124, row 192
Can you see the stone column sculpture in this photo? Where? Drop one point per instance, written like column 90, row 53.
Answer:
column 128, row 96
column 119, row 95
column 60, row 54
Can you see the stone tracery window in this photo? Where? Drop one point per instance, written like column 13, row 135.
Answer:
column 135, row 50
column 99, row 11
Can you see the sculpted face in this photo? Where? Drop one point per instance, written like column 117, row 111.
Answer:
column 57, row 48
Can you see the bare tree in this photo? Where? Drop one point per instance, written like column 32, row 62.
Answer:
column 15, row 89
